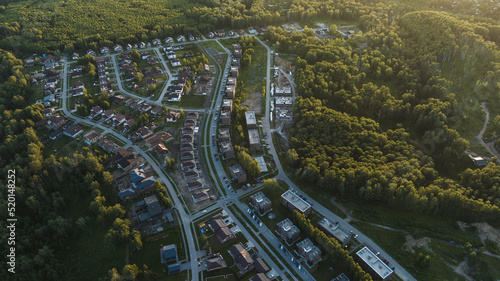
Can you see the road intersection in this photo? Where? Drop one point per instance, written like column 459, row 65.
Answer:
column 217, row 171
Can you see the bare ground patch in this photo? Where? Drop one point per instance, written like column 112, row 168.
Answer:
column 253, row 102
column 412, row 242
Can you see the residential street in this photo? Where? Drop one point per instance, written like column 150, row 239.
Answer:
column 217, row 171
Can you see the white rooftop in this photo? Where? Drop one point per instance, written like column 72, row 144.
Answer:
column 377, row 265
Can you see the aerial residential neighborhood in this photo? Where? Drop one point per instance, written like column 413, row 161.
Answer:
column 250, row 140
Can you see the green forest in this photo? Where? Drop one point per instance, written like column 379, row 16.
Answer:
column 381, row 117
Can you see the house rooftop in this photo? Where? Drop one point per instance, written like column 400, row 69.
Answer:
column 341, row 277
column 377, row 265
column 253, row 136
column 237, row 170
column 310, row 251
column 250, row 118
column 289, row 229
column 296, row 201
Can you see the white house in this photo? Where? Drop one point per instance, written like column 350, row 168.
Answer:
column 175, row 62
column 118, row 48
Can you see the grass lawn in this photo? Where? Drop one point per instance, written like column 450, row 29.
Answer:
column 212, row 44
column 419, row 225
column 150, row 252
column 189, row 101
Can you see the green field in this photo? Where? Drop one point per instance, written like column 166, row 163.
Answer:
column 189, row 101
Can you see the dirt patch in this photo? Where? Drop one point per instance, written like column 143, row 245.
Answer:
column 254, row 102
column 412, row 242
column 486, row 231
column 462, row 268
column 284, row 64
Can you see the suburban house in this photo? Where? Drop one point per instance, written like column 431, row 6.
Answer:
column 200, row 196
column 187, row 130
column 172, row 116
column 105, row 50
column 260, row 266
column 175, row 62
column 188, row 165
column 194, row 185
column 186, row 146
column 108, row 114
column 73, row 131
column 124, row 160
column 169, row 40
column 108, row 145
column 75, row 56
column 91, row 137
column 241, row 257
column 288, row 231
column 118, row 119
column 156, row 111
column 238, row 173
column 310, row 253
column 153, row 208
column 142, row 45
column 118, row 48
column 140, row 180
column 47, row 112
column 156, row 42
column 215, row 262
column 187, row 155
column 293, row 202
column 373, row 265
column 181, row 38
column 192, row 115
column 235, row 62
column 160, row 149
column 190, row 175
column 174, row 268
column 187, row 138
column 222, row 232
column 128, row 125
column 190, row 123
column 261, row 202
column 95, row 111
column 171, row 55
column 236, row 46
column 168, row 253
column 143, row 132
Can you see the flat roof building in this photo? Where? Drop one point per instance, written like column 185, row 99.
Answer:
column 309, row 252
column 373, row 265
column 250, row 120
column 261, row 202
column 288, row 231
column 293, row 202
column 333, row 230
column 254, row 139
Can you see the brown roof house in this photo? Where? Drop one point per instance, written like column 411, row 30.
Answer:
column 200, row 196
column 221, row 230
column 214, row 263
column 241, row 257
